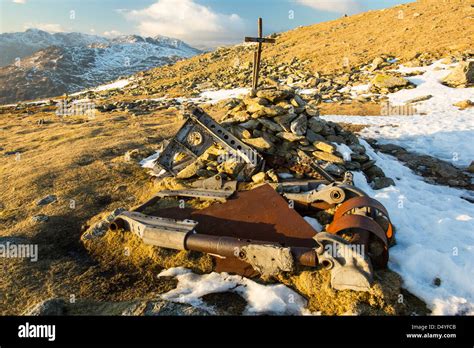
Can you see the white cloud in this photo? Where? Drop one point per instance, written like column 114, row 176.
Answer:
column 49, row 27
column 337, row 6
column 191, row 22
column 19, row 1
column 112, row 33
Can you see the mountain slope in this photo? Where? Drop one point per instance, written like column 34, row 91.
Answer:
column 23, row 44
column 79, row 61
column 430, row 27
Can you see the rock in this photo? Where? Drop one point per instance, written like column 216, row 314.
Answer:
column 240, row 132
column 259, row 143
column 285, row 121
column 40, row 218
column 325, row 146
column 268, row 111
column 311, row 110
column 255, row 107
column 290, row 136
column 47, row 200
column 272, row 175
column 297, row 101
column 255, row 101
column 376, row 63
column 52, row 306
column 328, row 157
column 167, row 308
column 389, row 81
column 352, row 165
column 336, row 139
column 419, row 99
column 464, row 104
column 312, row 136
column 273, row 95
column 391, row 148
column 359, row 157
column 374, row 172
column 250, row 124
column 316, row 124
column 99, row 229
column 299, row 125
column 380, row 183
column 368, row 164
column 258, row 178
column 461, row 76
column 273, row 126
column 470, row 169
column 333, row 169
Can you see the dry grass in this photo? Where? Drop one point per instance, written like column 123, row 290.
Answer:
column 75, row 159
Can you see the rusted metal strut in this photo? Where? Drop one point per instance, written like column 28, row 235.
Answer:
column 349, row 270
column 180, row 235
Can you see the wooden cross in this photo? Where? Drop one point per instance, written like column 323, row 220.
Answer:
column 258, row 52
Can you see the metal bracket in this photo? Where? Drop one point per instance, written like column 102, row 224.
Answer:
column 198, row 133
column 350, row 268
column 167, row 233
column 218, row 195
column 329, row 194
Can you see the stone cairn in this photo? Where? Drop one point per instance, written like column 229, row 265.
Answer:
column 278, row 122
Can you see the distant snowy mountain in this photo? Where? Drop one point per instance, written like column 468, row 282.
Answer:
column 37, row 64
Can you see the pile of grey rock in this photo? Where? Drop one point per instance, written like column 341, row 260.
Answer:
column 277, row 122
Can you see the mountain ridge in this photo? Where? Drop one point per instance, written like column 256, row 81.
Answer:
column 70, row 62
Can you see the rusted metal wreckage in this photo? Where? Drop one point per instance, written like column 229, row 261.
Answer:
column 261, row 231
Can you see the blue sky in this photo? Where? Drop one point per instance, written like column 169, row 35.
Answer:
column 203, row 23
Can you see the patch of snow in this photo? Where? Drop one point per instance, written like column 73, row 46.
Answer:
column 306, row 91
column 356, row 90
column 344, row 150
column 434, row 233
column 275, row 299
column 315, row 224
column 444, row 132
column 214, row 97
column 113, row 85
column 149, row 161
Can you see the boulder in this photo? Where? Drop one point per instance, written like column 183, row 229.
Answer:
column 328, row 157
column 316, row 124
column 273, row 95
column 47, row 200
column 389, row 81
column 258, row 143
column 299, row 125
column 273, row 126
column 465, row 104
column 461, row 76
column 380, row 183
column 290, row 136
column 325, row 146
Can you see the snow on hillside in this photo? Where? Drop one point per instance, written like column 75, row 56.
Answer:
column 116, row 84
column 444, row 132
column 434, row 225
column 434, row 233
